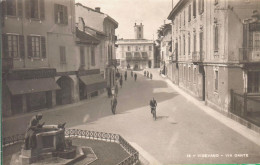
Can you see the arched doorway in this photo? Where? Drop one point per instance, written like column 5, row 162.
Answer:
column 64, row 95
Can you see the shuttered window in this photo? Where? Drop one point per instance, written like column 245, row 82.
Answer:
column 189, row 16
column 216, row 80
column 35, row 9
column 194, row 8
column 216, row 37
column 13, row 46
column 61, row 14
column 82, row 56
column 36, row 46
column 201, row 6
column 62, row 55
column 93, row 60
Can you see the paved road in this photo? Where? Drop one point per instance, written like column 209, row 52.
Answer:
column 182, row 134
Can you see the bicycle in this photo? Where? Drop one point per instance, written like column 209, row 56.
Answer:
column 153, row 111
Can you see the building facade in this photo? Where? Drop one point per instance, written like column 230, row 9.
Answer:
column 215, row 51
column 135, row 53
column 29, row 78
column 102, row 27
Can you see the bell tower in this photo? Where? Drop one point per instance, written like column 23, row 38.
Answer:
column 139, row 33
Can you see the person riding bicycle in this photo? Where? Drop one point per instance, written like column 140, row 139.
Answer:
column 153, row 105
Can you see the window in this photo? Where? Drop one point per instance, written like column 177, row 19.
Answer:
column 189, row 16
column 62, row 55
column 195, row 75
column 190, row 73
column 194, row 8
column 184, row 46
column 82, row 56
column 216, row 80
column 93, row 60
column 150, row 48
column 61, row 14
column 188, row 44
column 215, row 37
column 128, row 48
column 180, row 20
column 13, row 46
column 136, row 48
column 201, row 45
column 11, row 7
column 180, row 44
column 184, row 73
column 201, row 6
column 35, row 9
column 194, row 42
column 253, row 82
column 256, row 41
column 139, row 29
column 36, row 46
column 139, row 35
column 144, row 48
column 184, row 18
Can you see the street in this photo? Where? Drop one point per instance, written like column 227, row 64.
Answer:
column 181, row 134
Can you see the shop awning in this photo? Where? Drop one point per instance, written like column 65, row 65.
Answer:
column 17, row 87
column 93, row 82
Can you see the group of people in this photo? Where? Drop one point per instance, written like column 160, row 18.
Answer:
column 149, row 75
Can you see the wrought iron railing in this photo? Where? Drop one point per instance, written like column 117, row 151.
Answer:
column 133, row 157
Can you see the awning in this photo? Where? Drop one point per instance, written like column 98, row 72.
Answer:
column 17, row 87
column 93, row 82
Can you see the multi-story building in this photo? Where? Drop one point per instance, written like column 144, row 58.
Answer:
column 101, row 26
column 135, row 53
column 165, row 34
column 31, row 40
column 216, row 51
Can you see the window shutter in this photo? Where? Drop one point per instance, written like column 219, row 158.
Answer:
column 21, row 46
column 20, row 8
column 202, row 6
column 29, row 46
column 5, row 45
column 199, row 8
column 27, row 9
column 42, row 10
column 65, row 19
column 194, row 8
column 3, row 8
column 56, row 13
column 43, row 47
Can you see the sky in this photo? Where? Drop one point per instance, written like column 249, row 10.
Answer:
column 151, row 13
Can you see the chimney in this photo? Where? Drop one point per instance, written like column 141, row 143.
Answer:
column 97, row 9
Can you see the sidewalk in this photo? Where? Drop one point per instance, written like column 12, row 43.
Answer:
column 56, row 108
column 239, row 128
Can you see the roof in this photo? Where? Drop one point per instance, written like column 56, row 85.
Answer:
column 134, row 41
column 85, row 37
column 97, row 31
column 177, row 8
column 106, row 15
column 112, row 20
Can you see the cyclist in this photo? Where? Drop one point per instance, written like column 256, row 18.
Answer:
column 153, row 105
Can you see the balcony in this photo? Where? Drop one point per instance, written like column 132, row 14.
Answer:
column 197, row 57
column 7, row 64
column 249, row 55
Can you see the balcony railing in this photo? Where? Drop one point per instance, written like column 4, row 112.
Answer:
column 249, row 55
column 197, row 57
column 7, row 63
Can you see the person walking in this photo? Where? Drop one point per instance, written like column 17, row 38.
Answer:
column 109, row 92
column 147, row 74
column 135, row 76
column 125, row 75
column 144, row 73
column 116, row 90
column 113, row 105
column 132, row 73
column 121, row 82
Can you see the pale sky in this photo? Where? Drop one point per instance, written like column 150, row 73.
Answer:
column 151, row 13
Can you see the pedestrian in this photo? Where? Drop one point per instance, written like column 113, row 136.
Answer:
column 113, row 104
column 121, row 82
column 109, row 92
column 135, row 76
column 116, row 90
column 121, row 76
column 147, row 74
column 151, row 76
column 125, row 75
column 132, row 73
column 144, row 73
